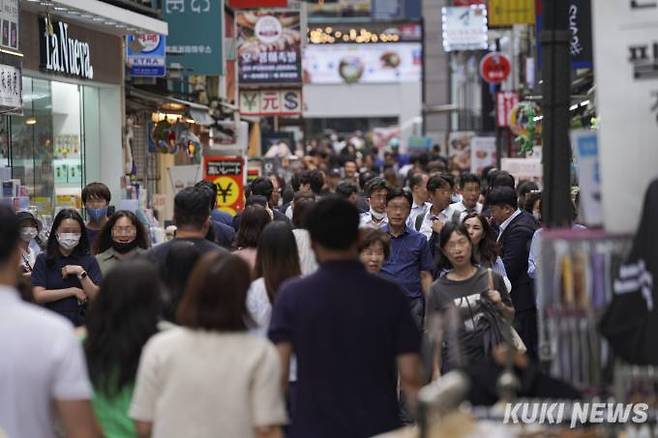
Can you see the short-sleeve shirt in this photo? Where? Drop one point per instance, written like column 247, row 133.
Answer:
column 208, row 384
column 50, row 277
column 158, row 254
column 410, row 254
column 346, row 328
column 42, row 361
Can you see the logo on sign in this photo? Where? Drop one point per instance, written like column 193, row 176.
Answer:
column 268, row 29
column 495, row 68
column 227, row 191
column 63, row 54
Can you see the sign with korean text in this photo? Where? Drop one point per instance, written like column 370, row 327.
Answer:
column 10, row 87
column 464, row 28
column 505, row 103
column 146, row 55
column 228, row 173
column 586, row 150
column 254, row 4
column 62, row 52
column 195, row 35
column 269, row 47
column 9, row 24
column 495, row 67
column 271, row 102
column 625, row 56
column 511, row 12
column 483, row 153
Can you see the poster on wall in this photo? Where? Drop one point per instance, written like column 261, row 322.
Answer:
column 10, row 87
column 523, row 169
column 146, row 55
column 269, row 47
column 459, row 149
column 277, row 144
column 363, row 63
column 483, row 153
column 228, row 173
column 9, row 24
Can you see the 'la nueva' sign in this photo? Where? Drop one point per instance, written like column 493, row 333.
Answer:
column 63, row 54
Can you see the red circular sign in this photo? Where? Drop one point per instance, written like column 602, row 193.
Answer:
column 495, row 67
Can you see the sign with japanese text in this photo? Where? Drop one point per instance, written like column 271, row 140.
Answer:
column 495, row 67
column 10, row 87
column 269, row 47
column 625, row 56
column 254, row 4
column 195, row 35
column 271, row 102
column 228, row 173
column 146, row 55
column 9, row 26
column 464, row 28
column 505, row 103
column 511, row 12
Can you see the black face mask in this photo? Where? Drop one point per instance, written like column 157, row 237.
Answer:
column 123, row 248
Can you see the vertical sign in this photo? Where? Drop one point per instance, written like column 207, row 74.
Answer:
column 228, row 173
column 145, row 55
column 195, row 35
column 586, row 148
column 505, row 103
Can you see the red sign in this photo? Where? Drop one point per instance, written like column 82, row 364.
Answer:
column 505, row 103
column 495, row 67
column 252, row 4
column 228, row 174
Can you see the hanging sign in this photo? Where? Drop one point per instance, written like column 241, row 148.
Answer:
column 146, row 55
column 464, row 28
column 505, row 103
column 271, row 102
column 495, row 67
column 62, row 53
column 228, row 174
column 9, row 24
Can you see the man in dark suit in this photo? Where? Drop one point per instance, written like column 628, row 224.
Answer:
column 516, row 230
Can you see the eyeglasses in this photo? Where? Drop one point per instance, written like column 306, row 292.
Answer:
column 452, row 246
column 378, row 197
column 124, row 231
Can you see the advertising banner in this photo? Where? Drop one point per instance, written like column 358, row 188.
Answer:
column 269, row 47
column 483, row 153
column 362, row 63
column 228, row 173
column 146, row 55
column 586, row 148
column 271, row 102
column 459, row 149
column 195, row 35
column 464, row 28
column 10, row 87
column 511, row 12
column 506, row 101
column 580, row 27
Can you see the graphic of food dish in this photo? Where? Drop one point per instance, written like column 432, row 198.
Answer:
column 351, row 69
column 481, row 155
column 390, row 59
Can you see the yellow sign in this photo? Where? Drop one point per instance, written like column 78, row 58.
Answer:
column 510, row 12
column 228, row 191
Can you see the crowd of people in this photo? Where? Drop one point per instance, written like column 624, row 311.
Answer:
column 301, row 316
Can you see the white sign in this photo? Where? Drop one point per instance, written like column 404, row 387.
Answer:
column 362, row 63
column 10, row 87
column 184, row 176
column 63, row 54
column 585, row 145
column 529, row 169
column 483, row 153
column 464, row 27
column 271, row 102
column 625, row 34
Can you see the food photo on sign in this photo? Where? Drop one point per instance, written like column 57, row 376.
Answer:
column 459, row 149
column 269, row 46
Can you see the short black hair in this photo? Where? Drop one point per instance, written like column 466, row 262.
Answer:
column 212, row 191
column 256, row 200
column 295, row 182
column 9, row 233
column 262, row 186
column 502, row 195
column 503, row 179
column 96, row 190
column 314, row 178
column 469, row 178
column 333, row 223
column 526, row 187
column 451, row 180
column 191, row 207
column 437, row 182
column 346, row 189
column 399, row 193
column 416, row 180
column 377, row 183
column 365, row 178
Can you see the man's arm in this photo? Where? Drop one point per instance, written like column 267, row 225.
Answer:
column 410, row 377
column 515, row 252
column 77, row 418
column 285, row 351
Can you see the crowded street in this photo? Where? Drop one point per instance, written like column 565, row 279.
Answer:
column 328, row 218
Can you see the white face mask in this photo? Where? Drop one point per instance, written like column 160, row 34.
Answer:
column 28, row 233
column 377, row 216
column 68, row 241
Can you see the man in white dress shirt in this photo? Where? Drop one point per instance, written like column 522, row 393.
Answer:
column 377, row 189
column 418, row 185
column 469, row 188
column 436, row 216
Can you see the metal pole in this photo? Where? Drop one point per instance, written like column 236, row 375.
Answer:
column 423, row 84
column 556, row 74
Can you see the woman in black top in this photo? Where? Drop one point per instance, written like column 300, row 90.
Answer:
column 66, row 275
column 473, row 292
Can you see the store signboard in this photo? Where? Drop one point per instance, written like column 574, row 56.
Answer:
column 506, row 101
column 254, row 4
column 62, row 52
column 272, row 102
column 483, row 153
column 459, row 149
column 228, row 173
column 464, row 27
column 627, row 103
column 195, row 35
column 10, row 87
column 495, row 67
column 146, row 55
column 363, row 63
column 9, row 24
column 269, row 47
column 580, row 27
column 586, row 149
column 511, row 12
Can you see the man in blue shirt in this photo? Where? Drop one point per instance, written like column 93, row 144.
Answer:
column 351, row 332
column 410, row 263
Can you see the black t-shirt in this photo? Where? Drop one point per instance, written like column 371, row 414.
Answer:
column 346, row 328
column 92, row 235
column 158, row 254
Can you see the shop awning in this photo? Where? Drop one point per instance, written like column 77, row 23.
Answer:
column 161, row 102
column 102, row 16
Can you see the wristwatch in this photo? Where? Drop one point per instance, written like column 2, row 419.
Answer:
column 82, row 276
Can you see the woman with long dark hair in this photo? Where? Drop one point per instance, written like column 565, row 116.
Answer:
column 121, row 238
column 210, row 376
column 485, row 248
column 276, row 261
column 474, row 291
column 179, row 264
column 254, row 219
column 121, row 319
column 66, row 275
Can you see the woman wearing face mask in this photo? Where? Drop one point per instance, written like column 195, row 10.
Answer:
column 122, row 237
column 29, row 247
column 66, row 275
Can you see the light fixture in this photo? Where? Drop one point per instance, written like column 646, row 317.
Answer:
column 584, row 103
column 172, row 106
column 31, row 121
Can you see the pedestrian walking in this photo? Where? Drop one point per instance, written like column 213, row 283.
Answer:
column 96, row 198
column 374, row 249
column 122, row 237
column 254, row 219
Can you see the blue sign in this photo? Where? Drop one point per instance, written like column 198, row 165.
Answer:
column 146, row 55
